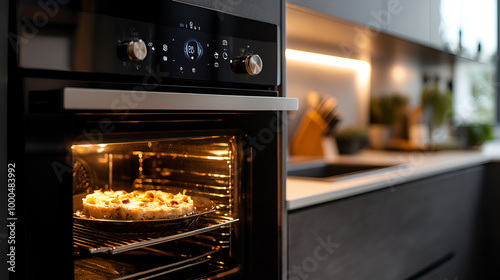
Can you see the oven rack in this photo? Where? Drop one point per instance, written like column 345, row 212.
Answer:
column 147, row 267
column 167, row 269
column 94, row 241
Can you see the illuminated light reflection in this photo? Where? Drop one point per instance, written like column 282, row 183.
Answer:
column 361, row 68
column 335, row 61
column 216, row 157
column 219, row 152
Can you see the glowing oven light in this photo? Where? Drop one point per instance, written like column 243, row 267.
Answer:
column 81, row 146
column 100, row 147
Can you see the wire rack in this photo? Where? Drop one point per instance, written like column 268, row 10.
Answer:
column 94, row 241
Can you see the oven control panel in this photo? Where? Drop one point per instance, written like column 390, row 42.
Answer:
column 160, row 40
column 187, row 52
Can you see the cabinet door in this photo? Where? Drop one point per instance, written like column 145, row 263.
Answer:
column 491, row 219
column 404, row 18
column 358, row 11
column 413, row 20
column 445, row 271
column 393, row 233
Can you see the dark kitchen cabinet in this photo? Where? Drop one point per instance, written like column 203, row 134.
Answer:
column 490, row 222
column 446, row 271
column 423, row 229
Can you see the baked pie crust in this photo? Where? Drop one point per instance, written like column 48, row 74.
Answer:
column 137, row 205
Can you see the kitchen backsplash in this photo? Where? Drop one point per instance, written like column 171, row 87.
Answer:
column 396, row 66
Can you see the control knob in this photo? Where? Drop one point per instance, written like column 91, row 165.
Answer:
column 134, row 51
column 250, row 64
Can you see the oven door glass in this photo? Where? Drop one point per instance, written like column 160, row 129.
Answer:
column 127, row 225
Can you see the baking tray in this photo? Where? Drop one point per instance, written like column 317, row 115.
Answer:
column 203, row 206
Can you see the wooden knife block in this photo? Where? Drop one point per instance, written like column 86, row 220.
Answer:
column 309, row 136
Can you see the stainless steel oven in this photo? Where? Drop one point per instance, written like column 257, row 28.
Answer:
column 142, row 97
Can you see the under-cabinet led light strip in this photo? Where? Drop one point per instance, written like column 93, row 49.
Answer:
column 330, row 60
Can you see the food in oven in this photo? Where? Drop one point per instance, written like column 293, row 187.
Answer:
column 136, row 205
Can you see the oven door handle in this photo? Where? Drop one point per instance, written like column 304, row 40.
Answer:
column 119, row 100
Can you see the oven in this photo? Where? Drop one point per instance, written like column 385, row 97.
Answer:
column 145, row 101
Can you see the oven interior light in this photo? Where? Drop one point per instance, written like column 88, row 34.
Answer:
column 88, row 145
column 335, row 61
column 216, row 157
column 81, row 146
column 219, row 152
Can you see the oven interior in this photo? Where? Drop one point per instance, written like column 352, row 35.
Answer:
column 206, row 167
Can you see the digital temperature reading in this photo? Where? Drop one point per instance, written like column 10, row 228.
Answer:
column 193, row 49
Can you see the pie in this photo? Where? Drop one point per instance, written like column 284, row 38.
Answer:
column 121, row 205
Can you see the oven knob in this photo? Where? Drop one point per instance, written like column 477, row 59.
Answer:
column 135, row 51
column 251, row 64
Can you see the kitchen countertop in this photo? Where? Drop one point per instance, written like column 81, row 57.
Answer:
column 414, row 165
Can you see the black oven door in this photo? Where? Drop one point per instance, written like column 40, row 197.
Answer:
column 224, row 149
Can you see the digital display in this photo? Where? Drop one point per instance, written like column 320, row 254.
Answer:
column 193, row 49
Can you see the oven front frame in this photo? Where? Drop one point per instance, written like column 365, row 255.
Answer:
column 49, row 240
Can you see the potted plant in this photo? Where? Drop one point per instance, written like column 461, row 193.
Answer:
column 477, row 127
column 474, row 135
column 385, row 111
column 436, row 105
column 350, row 139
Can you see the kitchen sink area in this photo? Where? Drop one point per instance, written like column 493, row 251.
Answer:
column 334, row 171
column 313, row 181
